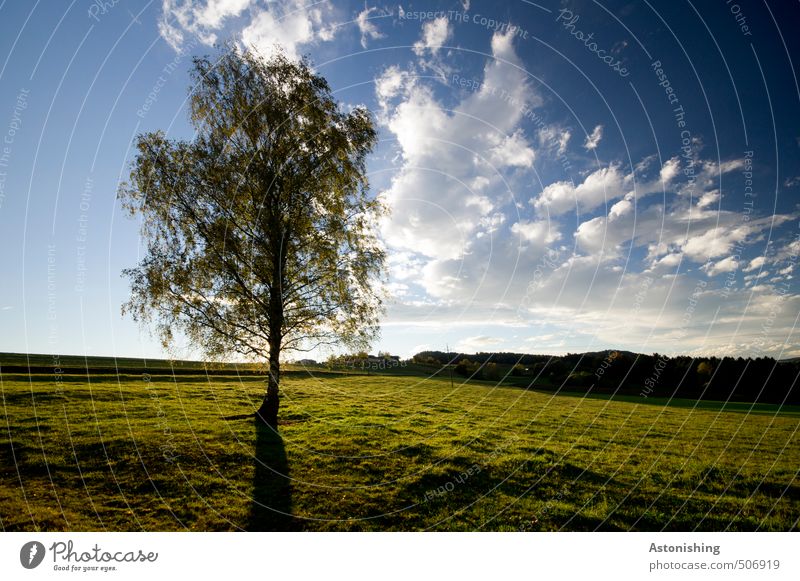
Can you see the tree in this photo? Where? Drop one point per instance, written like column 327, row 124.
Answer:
column 490, row 371
column 704, row 368
column 467, row 368
column 260, row 232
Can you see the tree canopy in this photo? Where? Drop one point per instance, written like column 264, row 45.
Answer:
column 260, row 232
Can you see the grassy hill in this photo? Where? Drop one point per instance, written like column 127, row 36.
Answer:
column 395, row 450
column 43, row 364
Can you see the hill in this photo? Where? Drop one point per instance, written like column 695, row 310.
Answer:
column 40, row 363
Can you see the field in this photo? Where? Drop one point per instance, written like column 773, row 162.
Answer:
column 385, row 451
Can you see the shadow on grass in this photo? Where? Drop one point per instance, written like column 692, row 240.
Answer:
column 551, row 495
column 675, row 402
column 272, row 495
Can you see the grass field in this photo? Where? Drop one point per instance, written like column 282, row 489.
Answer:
column 383, row 452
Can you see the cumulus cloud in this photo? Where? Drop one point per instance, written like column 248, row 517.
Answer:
column 455, row 161
column 755, row 264
column 483, row 236
column 290, row 24
column 687, row 313
column 716, row 241
column 539, row 232
column 512, row 150
column 729, row 264
column 696, row 236
column 670, row 170
column 389, row 85
column 197, row 18
column 602, row 185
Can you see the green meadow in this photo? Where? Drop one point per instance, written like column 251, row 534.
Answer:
column 395, row 450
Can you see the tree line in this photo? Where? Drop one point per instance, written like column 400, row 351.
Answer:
column 761, row 379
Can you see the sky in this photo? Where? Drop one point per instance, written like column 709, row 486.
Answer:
column 562, row 176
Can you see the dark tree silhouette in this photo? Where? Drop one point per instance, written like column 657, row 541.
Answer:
column 260, row 231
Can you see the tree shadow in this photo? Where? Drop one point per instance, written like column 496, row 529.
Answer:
column 272, row 495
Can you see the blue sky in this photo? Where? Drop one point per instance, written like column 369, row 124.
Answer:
column 562, row 176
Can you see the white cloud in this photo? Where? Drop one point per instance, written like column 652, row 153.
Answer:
column 292, row 24
column 669, row 261
column 404, row 265
column 397, row 289
column 752, row 278
column 670, row 170
column 708, row 176
column 478, row 343
column 215, row 11
column 266, row 30
column 729, row 264
column 593, row 140
column 663, row 183
column 563, row 141
column 367, row 27
column 708, row 199
column 554, row 137
column 696, row 234
column 513, row 150
column 755, row 264
column 539, row 232
column 455, row 160
column 434, row 34
column 600, row 186
column 464, row 249
column 644, row 312
column 197, row 18
column 390, row 84
column 602, row 235
column 714, row 242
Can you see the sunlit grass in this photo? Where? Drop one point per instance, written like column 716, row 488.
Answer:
column 383, row 452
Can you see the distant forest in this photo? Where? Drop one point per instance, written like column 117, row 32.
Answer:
column 762, row 379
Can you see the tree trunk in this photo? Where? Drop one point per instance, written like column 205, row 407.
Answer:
column 268, row 412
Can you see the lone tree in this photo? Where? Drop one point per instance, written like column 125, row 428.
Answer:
column 260, row 231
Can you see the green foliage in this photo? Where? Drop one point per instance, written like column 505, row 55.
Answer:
column 490, row 371
column 352, row 361
column 260, row 233
column 467, row 368
column 760, row 379
column 581, row 379
column 474, row 370
column 704, row 368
